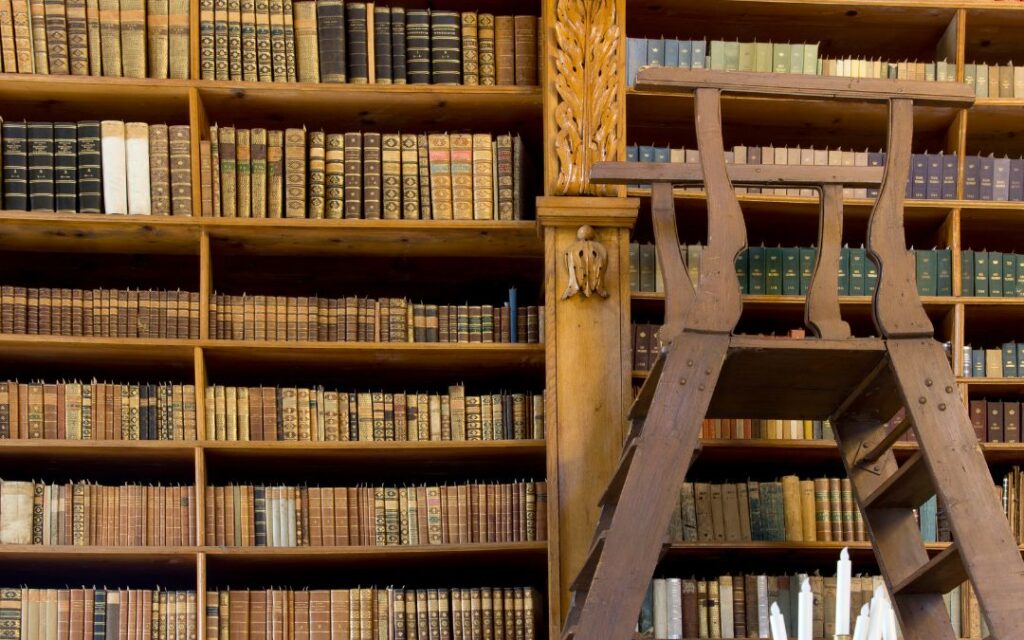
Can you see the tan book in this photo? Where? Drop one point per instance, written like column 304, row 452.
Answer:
column 77, row 37
column 278, row 60
column 470, row 49
column 485, row 43
column 289, row 40
column 295, row 173
column 247, row 10
column 57, row 36
column 157, row 37
column 243, row 169
column 234, row 18
column 483, row 170
column 136, row 138
column 20, row 16
column 731, row 511
column 264, row 61
column 334, row 176
column 221, row 53
column 307, row 53
column 178, row 38
column 40, row 51
column 110, row 37
column 439, row 151
column 218, row 210
column 410, row 177
column 807, row 515
column 205, row 177
column 133, row 38
column 391, row 176
column 317, row 172
column 207, row 53
column 993, row 363
column 792, row 508
column 258, row 171
column 180, row 144
column 228, row 199
column 16, row 508
column 275, row 174
column 504, row 50
column 160, row 170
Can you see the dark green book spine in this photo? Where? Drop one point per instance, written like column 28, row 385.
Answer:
column 844, row 271
column 15, row 167
column 259, row 513
column 397, row 45
column 742, row 266
column 1009, row 360
column 966, row 272
column 40, row 166
column 1019, row 346
column 870, row 275
column 382, row 44
column 995, row 274
column 756, row 269
column 773, row 271
column 791, row 271
column 856, row 271
column 1019, row 291
column 981, row 273
column 944, row 270
column 926, row 272
column 808, row 256
column 65, row 166
column 90, row 170
column 356, row 42
column 634, row 266
column 330, row 25
column 756, row 524
column 445, row 48
column 417, row 46
column 978, row 363
column 648, row 267
column 1010, row 275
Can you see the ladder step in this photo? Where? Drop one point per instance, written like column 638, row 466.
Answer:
column 941, row 574
column 586, row 574
column 908, row 488
column 874, row 453
column 640, row 407
column 614, row 489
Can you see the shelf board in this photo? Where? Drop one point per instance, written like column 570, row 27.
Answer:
column 763, row 550
column 55, row 97
column 73, row 452
column 134, row 352
column 654, row 302
column 271, row 557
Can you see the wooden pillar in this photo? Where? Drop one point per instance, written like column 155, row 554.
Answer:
column 589, row 384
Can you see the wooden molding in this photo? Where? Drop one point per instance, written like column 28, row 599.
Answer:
column 585, row 90
column 596, row 212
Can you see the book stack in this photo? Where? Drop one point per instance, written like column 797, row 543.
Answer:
column 363, row 43
column 790, row 510
column 354, row 319
column 256, row 173
column 995, row 80
column 992, row 274
column 772, row 57
column 992, row 178
column 130, row 38
column 97, row 167
column 139, row 614
column 97, row 411
column 995, row 420
column 106, row 313
column 84, row 514
column 281, row 516
column 998, row 362
column 765, row 429
column 933, row 176
column 316, row 415
column 379, row 612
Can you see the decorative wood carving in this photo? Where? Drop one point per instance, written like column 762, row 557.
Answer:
column 587, row 261
column 588, row 90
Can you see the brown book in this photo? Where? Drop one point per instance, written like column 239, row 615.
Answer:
column 295, row 173
column 1011, row 421
column 317, row 173
column 835, row 508
column 731, row 512
column 307, row 54
column 822, row 510
column 485, row 34
column 159, row 170
column 334, row 176
column 525, row 50
column 792, row 508
column 807, row 514
column 391, row 176
column 243, row 172
column 21, row 37
column 228, row 181
column 205, row 177
column 275, row 174
column 461, row 158
column 372, row 178
column 995, row 421
column 504, row 50
column 470, row 49
column 979, row 419
column 40, row 48
column 181, row 169
column 133, row 38
column 57, row 36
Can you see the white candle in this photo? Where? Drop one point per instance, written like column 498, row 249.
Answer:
column 843, row 573
column 777, row 623
column 806, row 615
column 877, row 615
column 889, row 631
column 860, row 632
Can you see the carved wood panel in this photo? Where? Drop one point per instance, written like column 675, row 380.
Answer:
column 588, row 87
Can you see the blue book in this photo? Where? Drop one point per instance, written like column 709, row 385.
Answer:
column 698, row 52
column 875, row 159
column 928, row 514
column 1017, row 179
column 636, row 57
column 662, row 154
column 685, row 48
column 655, row 52
column 971, row 168
column 1020, row 357
column 671, row 48
column 646, row 153
column 933, row 176
column 513, row 315
column 978, row 362
column 632, row 153
column 986, row 176
column 1009, row 360
column 949, row 167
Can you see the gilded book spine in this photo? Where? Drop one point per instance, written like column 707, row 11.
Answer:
column 259, row 173
column 505, row 185
column 57, row 36
column 504, row 50
column 439, row 152
column 462, row 176
column 423, row 160
column 243, row 168
column 279, row 59
column 40, row 49
column 207, row 50
column 264, row 55
column 90, row 181
column 354, row 175
column 470, row 49
column 20, row 16
column 181, row 169
column 391, row 175
column 249, row 49
column 133, row 38
column 92, row 25
column 371, row 176
column 40, row 166
column 485, row 31
column 8, row 50
column 289, row 41
column 483, row 185
column 398, row 57
column 357, row 43
column 78, row 37
column 160, row 169
column 410, row 177
column 222, row 53
column 65, row 170
column 334, row 178
column 417, row 46
column 234, row 19
column 275, row 174
column 15, row 166
column 317, row 173
column 445, row 45
column 382, row 44
column 228, row 199
column 295, row 173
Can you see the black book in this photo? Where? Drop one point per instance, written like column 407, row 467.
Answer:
column 330, row 25
column 143, row 417
column 65, row 165
column 417, row 46
column 15, row 167
column 382, row 44
column 445, row 48
column 876, row 159
column 933, row 176
column 398, row 45
column 357, row 57
column 90, row 173
column 152, row 407
column 40, row 166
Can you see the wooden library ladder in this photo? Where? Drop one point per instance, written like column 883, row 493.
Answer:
column 858, row 383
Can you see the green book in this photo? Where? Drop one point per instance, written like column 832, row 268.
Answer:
column 966, row 272
column 1020, row 275
column 634, row 266
column 995, row 274
column 742, row 267
column 870, row 275
column 970, row 73
column 981, row 273
column 796, row 58
column 807, row 257
column 977, row 363
column 648, row 267
column 1010, row 275
column 944, row 271
column 1020, row 357
column 756, row 269
column 844, row 271
column 773, row 271
column 856, row 271
column 763, row 57
column 746, row 56
column 732, row 56
column 811, row 59
column 716, row 55
column 981, row 81
column 926, row 271
column 1009, row 360
column 791, row 271
column 780, row 58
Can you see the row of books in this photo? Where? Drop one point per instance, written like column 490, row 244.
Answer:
column 995, row 80
column 932, row 176
column 354, row 319
column 256, row 173
column 360, row 42
column 765, row 429
column 369, row 613
column 91, row 166
column 787, row 271
column 992, row 274
column 111, row 313
column 1006, row 361
column 772, row 57
column 790, row 509
column 1013, row 505
column 729, row 606
column 318, row 415
column 87, row 514
column 995, row 420
column 90, row 613
column 300, row 516
column 114, row 38
column 97, row 411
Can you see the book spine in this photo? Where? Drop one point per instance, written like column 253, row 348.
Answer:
column 382, row 44
column 278, row 54
column 334, row 190
column 391, row 176
column 159, row 170
column 371, row 176
column 22, row 38
column 65, row 136
column 90, row 175
column 40, row 166
column 249, row 48
column 234, row 46
column 157, row 36
column 295, row 173
column 330, row 15
column 485, row 34
column 179, row 146
column 525, row 50
column 423, row 161
column 15, row 166
column 137, row 168
column 506, row 200
column 243, row 173
column 410, row 177
column 470, row 49
column 222, row 53
column 398, row 57
column 462, row 176
column 356, row 43
column 57, row 36
column 264, row 48
column 40, row 48
column 228, row 174
column 504, row 50
column 289, row 41
column 115, row 187
column 207, row 48
column 78, row 37
column 307, row 56
column 317, row 175
column 440, row 176
column 445, row 55
column 417, row 46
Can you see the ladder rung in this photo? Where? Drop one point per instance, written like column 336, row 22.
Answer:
column 586, row 574
column 908, row 488
column 886, row 443
column 642, row 404
column 614, row 489
column 941, row 574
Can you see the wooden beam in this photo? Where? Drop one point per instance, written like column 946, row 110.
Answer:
column 788, row 85
column 743, row 174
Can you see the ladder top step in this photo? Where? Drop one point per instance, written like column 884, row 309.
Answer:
column 941, row 574
column 743, row 174
column 787, row 85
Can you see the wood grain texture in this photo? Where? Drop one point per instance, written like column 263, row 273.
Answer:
column 743, row 174
column 821, row 314
column 679, row 291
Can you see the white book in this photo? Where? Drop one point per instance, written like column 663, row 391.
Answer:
column 115, row 178
column 137, row 168
column 762, row 607
column 725, row 602
column 674, row 596
column 660, row 609
column 16, row 507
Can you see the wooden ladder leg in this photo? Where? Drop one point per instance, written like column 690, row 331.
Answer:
column 610, row 588
column 821, row 313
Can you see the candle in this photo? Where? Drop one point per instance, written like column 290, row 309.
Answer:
column 889, row 631
column 877, row 619
column 777, row 623
column 860, row 632
column 843, row 573
column 806, row 615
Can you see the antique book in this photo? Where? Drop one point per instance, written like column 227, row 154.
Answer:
column 470, row 49
column 417, row 46
column 461, row 162
column 278, row 53
column 295, row 173
column 485, row 30
column 439, row 151
column 445, row 43
column 423, row 161
column 353, row 163
column 483, row 184
column 307, row 56
column 234, row 19
column 137, row 165
column 247, row 40
column 334, row 188
column 159, row 170
column 115, row 186
column 40, row 166
column 316, row 174
column 264, row 48
column 357, row 59
column 381, row 44
column 205, row 177
column 57, row 36
column 525, row 50
column 40, row 50
column 222, row 53
column 110, row 38
column 78, row 37
column 243, row 173
column 792, row 508
column 207, row 51
column 504, row 50
column 22, row 36
column 505, row 186
column 391, row 176
column 258, row 172
column 133, row 38
column 156, row 38
column 330, row 16
column 179, row 146
column 228, row 182
column 410, row 177
column 65, row 170
column 15, row 166
column 90, row 186
column 275, row 174
column 8, row 49
column 398, row 56
column 371, row 175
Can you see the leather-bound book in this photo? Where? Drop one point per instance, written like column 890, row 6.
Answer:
column 137, row 164
column 822, row 510
column 179, row 144
column 518, row 160
column 159, row 170
column 330, row 16
column 979, row 416
column 115, row 187
column 995, row 421
column 289, row 40
column 391, row 176
column 417, row 46
column 423, row 162
column 21, row 38
column 40, row 166
column 398, row 56
column 77, row 37
column 506, row 185
column 278, row 55
column 353, row 161
column 485, row 44
column 40, row 48
column 316, row 174
column 228, row 199
column 410, row 188
column 835, row 507
column 275, row 174
column 218, row 210
column 15, row 166
column 483, row 183
column 222, row 53
column 57, row 37
column 249, row 50
column 1011, row 421
column 334, row 188
column 156, row 37
column 525, row 50
column 445, row 46
column 65, row 170
column 234, row 39
column 462, row 175
column 307, row 56
column 133, row 38
column 791, row 505
column 243, row 173
column 264, row 49
column 504, row 50
column 90, row 182
column 356, row 42
column 295, row 173
column 382, row 44
column 439, row 150
column 207, row 52
column 470, row 49
column 371, row 176
column 258, row 173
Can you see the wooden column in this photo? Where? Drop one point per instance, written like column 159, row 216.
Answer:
column 589, row 384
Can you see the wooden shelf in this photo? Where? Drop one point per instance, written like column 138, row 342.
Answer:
column 760, row 551
column 656, row 300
